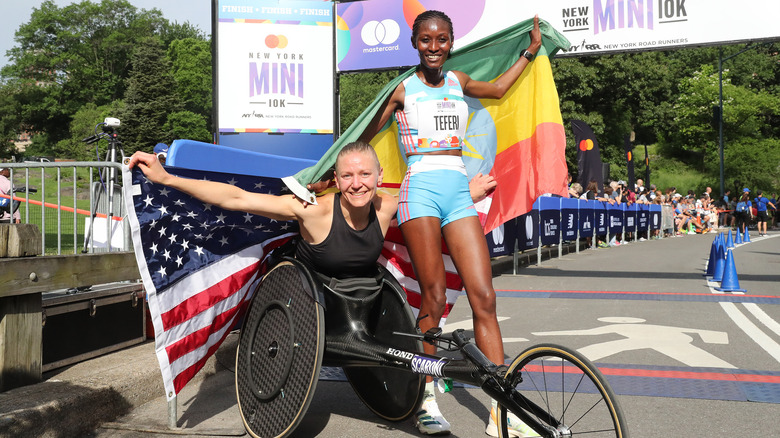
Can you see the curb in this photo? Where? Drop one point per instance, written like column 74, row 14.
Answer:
column 76, row 400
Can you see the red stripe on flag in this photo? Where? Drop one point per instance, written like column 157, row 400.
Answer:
column 452, row 280
column 204, row 300
column 185, row 376
column 200, row 337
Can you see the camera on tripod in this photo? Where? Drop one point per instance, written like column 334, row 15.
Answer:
column 108, row 126
column 110, row 123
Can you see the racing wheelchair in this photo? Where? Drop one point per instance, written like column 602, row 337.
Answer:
column 299, row 321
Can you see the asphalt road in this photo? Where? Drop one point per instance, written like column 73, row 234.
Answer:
column 683, row 358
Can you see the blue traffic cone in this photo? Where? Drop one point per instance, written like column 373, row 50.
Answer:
column 720, row 264
column 730, row 283
column 729, row 241
column 713, row 255
column 747, row 235
column 738, row 240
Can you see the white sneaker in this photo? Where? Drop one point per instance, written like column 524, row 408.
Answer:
column 429, row 419
column 515, row 427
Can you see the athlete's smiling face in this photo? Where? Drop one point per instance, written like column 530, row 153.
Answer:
column 357, row 176
column 433, row 42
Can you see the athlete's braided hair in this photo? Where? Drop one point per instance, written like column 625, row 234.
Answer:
column 430, row 15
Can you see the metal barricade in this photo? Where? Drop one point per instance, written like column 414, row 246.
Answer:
column 70, row 204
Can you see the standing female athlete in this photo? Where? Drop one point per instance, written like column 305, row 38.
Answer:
column 434, row 198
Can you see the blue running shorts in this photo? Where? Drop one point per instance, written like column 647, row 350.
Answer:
column 435, row 186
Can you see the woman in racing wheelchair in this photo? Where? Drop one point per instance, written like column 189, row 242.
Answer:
column 341, row 238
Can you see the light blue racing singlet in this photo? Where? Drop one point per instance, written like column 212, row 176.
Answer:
column 433, row 119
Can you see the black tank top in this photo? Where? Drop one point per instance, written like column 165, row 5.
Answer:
column 345, row 252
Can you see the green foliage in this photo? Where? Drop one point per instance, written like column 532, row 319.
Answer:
column 191, row 70
column 83, row 125
column 9, row 122
column 753, row 162
column 745, row 113
column 358, row 90
column 186, row 124
column 149, row 98
column 66, row 57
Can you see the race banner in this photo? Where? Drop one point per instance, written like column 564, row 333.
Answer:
column 375, row 34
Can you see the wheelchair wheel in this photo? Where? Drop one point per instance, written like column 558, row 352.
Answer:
column 567, row 389
column 280, row 353
column 391, row 393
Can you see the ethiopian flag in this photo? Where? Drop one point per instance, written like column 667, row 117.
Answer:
column 518, row 139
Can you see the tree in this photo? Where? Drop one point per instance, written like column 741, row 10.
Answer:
column 9, row 122
column 358, row 90
column 746, row 111
column 68, row 56
column 186, row 124
column 149, row 98
column 191, row 70
column 84, row 124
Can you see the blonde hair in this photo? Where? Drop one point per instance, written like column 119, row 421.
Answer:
column 357, row 146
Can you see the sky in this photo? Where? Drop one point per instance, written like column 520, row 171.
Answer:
column 14, row 13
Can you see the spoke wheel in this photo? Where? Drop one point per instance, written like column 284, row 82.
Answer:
column 567, row 388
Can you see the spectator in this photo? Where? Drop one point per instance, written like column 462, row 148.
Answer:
column 639, row 185
column 591, row 191
column 651, row 194
column 575, row 190
column 6, row 188
column 744, row 211
column 761, row 212
column 773, row 211
column 724, row 215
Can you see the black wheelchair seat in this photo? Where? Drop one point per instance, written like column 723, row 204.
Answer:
column 296, row 322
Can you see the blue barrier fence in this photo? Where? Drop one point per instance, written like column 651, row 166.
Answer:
column 554, row 220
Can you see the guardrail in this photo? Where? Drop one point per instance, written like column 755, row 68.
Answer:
column 554, row 220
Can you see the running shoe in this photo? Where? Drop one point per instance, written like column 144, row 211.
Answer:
column 603, row 245
column 429, row 419
column 515, row 427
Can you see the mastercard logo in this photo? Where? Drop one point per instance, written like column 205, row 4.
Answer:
column 586, row 145
column 276, row 41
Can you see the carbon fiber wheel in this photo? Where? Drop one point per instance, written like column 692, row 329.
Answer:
column 391, row 393
column 279, row 354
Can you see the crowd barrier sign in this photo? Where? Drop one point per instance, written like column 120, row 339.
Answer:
column 554, row 220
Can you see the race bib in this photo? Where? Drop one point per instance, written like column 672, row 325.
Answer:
column 441, row 122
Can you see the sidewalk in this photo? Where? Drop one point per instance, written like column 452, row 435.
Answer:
column 75, row 400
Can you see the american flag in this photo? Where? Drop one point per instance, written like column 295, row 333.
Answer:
column 198, row 264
